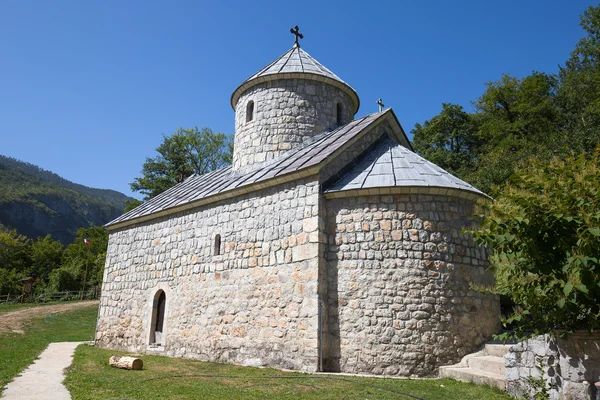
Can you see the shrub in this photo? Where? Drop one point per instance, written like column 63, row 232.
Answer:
column 544, row 236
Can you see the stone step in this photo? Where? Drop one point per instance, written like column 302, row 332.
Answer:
column 468, row 374
column 491, row 364
column 498, row 350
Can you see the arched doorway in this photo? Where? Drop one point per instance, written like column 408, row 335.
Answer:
column 158, row 319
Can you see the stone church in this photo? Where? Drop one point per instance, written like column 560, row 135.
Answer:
column 328, row 244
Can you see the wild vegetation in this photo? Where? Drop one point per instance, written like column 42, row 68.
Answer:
column 544, row 232
column 36, row 202
column 180, row 155
column 56, row 268
column 44, row 221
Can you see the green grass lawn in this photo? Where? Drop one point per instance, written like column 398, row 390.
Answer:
column 19, row 350
column 90, row 377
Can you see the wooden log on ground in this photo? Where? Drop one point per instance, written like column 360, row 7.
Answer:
column 126, row 362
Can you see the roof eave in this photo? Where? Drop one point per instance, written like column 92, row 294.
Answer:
column 466, row 194
column 274, row 181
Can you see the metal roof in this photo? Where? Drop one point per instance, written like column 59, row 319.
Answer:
column 389, row 164
column 295, row 60
column 295, row 63
column 302, row 158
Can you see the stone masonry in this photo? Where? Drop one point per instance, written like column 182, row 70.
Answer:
column 569, row 368
column 400, row 275
column 255, row 304
column 286, row 113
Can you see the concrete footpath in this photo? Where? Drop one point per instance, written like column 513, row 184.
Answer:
column 43, row 379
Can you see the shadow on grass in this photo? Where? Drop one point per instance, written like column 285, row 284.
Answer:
column 91, row 377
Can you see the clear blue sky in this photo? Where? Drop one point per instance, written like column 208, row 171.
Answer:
column 88, row 88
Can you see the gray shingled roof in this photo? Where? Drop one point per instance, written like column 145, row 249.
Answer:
column 290, row 163
column 389, row 164
column 295, row 60
column 295, row 63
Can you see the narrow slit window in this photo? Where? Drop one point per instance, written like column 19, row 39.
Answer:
column 339, row 113
column 250, row 111
column 158, row 317
column 217, row 245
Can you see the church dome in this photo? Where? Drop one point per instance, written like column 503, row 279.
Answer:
column 285, row 104
column 296, row 63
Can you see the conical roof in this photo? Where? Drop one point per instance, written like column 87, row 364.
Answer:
column 295, row 64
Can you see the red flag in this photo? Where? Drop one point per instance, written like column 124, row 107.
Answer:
column 86, row 241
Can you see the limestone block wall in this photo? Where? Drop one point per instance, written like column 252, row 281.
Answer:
column 255, row 304
column 399, row 273
column 286, row 113
column 570, row 368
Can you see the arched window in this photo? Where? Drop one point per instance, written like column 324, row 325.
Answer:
column 339, row 113
column 250, row 111
column 157, row 336
column 217, row 245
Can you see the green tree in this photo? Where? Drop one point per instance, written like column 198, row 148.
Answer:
column 518, row 119
column 10, row 281
column 448, row 140
column 515, row 120
column 544, row 236
column 15, row 261
column 46, row 255
column 70, row 275
column 15, row 252
column 185, row 152
column 579, row 94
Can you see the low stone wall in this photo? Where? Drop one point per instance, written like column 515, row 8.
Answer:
column 569, row 367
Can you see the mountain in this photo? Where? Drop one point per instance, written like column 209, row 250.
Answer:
column 36, row 202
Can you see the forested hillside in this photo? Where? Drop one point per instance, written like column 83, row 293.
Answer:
column 36, row 202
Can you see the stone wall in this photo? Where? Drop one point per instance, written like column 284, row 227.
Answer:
column 399, row 297
column 286, row 113
column 569, row 367
column 255, row 304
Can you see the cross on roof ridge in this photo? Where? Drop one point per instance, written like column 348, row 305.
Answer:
column 296, row 31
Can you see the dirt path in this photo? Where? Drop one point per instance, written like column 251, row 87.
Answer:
column 13, row 321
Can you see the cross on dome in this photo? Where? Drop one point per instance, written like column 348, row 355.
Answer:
column 296, row 31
